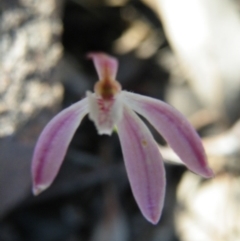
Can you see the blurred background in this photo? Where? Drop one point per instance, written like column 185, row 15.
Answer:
column 185, row 52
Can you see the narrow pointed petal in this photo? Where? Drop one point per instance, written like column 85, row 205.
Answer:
column 144, row 165
column 105, row 65
column 53, row 143
column 175, row 129
column 104, row 113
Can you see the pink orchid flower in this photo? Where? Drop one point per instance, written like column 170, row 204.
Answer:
column 108, row 107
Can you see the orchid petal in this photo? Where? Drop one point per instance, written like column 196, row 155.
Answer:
column 105, row 65
column 53, row 143
column 175, row 129
column 144, row 165
column 104, row 113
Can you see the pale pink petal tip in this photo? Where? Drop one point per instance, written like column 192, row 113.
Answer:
column 209, row 173
column 38, row 189
column 154, row 218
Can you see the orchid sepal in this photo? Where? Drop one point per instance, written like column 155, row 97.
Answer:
column 144, row 165
column 174, row 128
column 53, row 143
column 105, row 65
